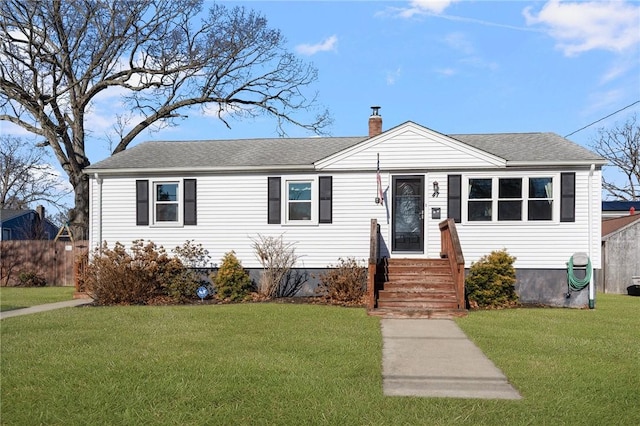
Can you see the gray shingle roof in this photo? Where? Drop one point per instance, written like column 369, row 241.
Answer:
column 245, row 154
column 538, row 147
column 239, row 153
column 8, row 214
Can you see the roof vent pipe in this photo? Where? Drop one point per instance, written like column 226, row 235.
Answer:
column 375, row 122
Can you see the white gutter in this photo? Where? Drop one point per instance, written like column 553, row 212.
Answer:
column 98, row 210
column 590, row 208
column 548, row 164
column 226, row 169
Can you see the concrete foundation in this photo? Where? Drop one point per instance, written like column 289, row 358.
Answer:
column 548, row 287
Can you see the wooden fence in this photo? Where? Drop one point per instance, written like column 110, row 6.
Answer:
column 52, row 260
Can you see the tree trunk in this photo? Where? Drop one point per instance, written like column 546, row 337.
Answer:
column 79, row 215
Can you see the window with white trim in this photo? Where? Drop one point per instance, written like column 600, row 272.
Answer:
column 513, row 199
column 166, row 202
column 540, row 198
column 510, row 199
column 480, row 206
column 299, row 202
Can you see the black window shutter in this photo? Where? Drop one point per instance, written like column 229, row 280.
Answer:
column 190, row 203
column 454, row 197
column 142, row 202
column 273, row 214
column 326, row 199
column 567, row 197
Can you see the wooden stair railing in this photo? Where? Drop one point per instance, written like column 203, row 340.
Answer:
column 374, row 254
column 451, row 249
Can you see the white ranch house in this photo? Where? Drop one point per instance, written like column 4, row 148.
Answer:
column 535, row 194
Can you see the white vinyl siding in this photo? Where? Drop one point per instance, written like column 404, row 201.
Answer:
column 232, row 212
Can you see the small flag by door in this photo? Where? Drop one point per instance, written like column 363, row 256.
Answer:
column 380, row 198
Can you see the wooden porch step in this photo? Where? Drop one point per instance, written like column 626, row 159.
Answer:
column 416, row 294
column 416, row 288
column 420, row 279
column 402, row 313
column 415, row 269
column 419, row 287
column 416, row 261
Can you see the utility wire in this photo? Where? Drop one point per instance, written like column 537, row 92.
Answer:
column 603, row 118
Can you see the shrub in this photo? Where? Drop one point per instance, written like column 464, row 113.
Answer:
column 31, row 279
column 277, row 259
column 117, row 276
column 232, row 281
column 491, row 280
column 344, row 283
column 183, row 286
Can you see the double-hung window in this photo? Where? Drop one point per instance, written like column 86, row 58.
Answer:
column 510, row 199
column 299, row 201
column 480, row 206
column 540, row 198
column 166, row 202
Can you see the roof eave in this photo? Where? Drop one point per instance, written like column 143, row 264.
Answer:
column 550, row 164
column 180, row 170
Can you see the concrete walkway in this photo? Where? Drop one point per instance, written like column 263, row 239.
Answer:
column 434, row 358
column 45, row 307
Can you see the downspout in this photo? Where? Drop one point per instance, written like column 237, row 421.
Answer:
column 592, row 304
column 98, row 210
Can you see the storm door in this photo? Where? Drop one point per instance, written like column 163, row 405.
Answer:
column 408, row 213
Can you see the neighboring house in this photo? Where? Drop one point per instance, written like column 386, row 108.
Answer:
column 535, row 194
column 619, row 208
column 26, row 225
column 620, row 253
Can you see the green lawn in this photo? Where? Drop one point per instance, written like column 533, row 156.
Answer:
column 24, row 297
column 304, row 364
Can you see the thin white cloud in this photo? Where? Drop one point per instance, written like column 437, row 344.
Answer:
column 418, row 8
column 459, row 42
column 478, row 62
column 424, row 7
column 582, row 26
column 604, row 101
column 617, row 70
column 392, row 76
column 447, row 72
column 327, row 45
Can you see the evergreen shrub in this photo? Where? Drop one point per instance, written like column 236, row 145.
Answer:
column 491, row 281
column 31, row 279
column 231, row 280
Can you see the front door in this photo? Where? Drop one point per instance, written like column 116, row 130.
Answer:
column 408, row 213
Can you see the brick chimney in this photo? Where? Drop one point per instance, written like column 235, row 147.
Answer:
column 40, row 212
column 375, row 122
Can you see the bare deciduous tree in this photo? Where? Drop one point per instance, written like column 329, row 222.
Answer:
column 161, row 56
column 621, row 146
column 25, row 177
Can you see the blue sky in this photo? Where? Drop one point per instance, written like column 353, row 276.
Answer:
column 458, row 66
column 452, row 66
